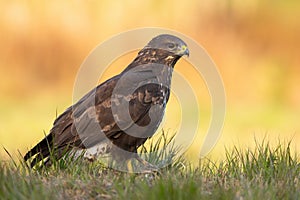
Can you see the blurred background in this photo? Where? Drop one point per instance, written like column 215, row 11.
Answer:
column 254, row 43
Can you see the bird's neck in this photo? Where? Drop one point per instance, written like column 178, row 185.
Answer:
column 154, row 56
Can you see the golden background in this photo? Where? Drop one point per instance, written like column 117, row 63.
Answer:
column 255, row 45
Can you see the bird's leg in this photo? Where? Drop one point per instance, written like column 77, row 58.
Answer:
column 131, row 162
column 148, row 167
column 129, row 166
column 141, row 166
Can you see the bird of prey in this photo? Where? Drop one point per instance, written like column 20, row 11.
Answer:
column 120, row 114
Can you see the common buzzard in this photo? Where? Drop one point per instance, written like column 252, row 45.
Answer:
column 120, row 114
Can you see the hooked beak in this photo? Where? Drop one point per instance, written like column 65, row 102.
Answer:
column 184, row 51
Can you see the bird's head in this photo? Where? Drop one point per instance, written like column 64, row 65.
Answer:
column 163, row 49
column 169, row 43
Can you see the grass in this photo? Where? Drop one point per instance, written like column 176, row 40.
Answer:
column 263, row 173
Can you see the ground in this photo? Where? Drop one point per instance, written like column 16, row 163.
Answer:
column 262, row 173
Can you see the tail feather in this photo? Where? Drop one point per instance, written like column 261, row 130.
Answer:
column 37, row 159
column 40, row 151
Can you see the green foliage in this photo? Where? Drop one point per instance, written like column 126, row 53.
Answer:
column 262, row 173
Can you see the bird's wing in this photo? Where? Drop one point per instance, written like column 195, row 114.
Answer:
column 139, row 100
column 84, row 114
column 102, row 113
column 93, row 119
column 85, row 123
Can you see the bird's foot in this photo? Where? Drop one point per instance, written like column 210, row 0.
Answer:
column 142, row 166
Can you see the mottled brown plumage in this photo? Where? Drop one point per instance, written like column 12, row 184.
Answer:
column 125, row 110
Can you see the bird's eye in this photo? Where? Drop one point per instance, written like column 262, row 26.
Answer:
column 171, row 45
